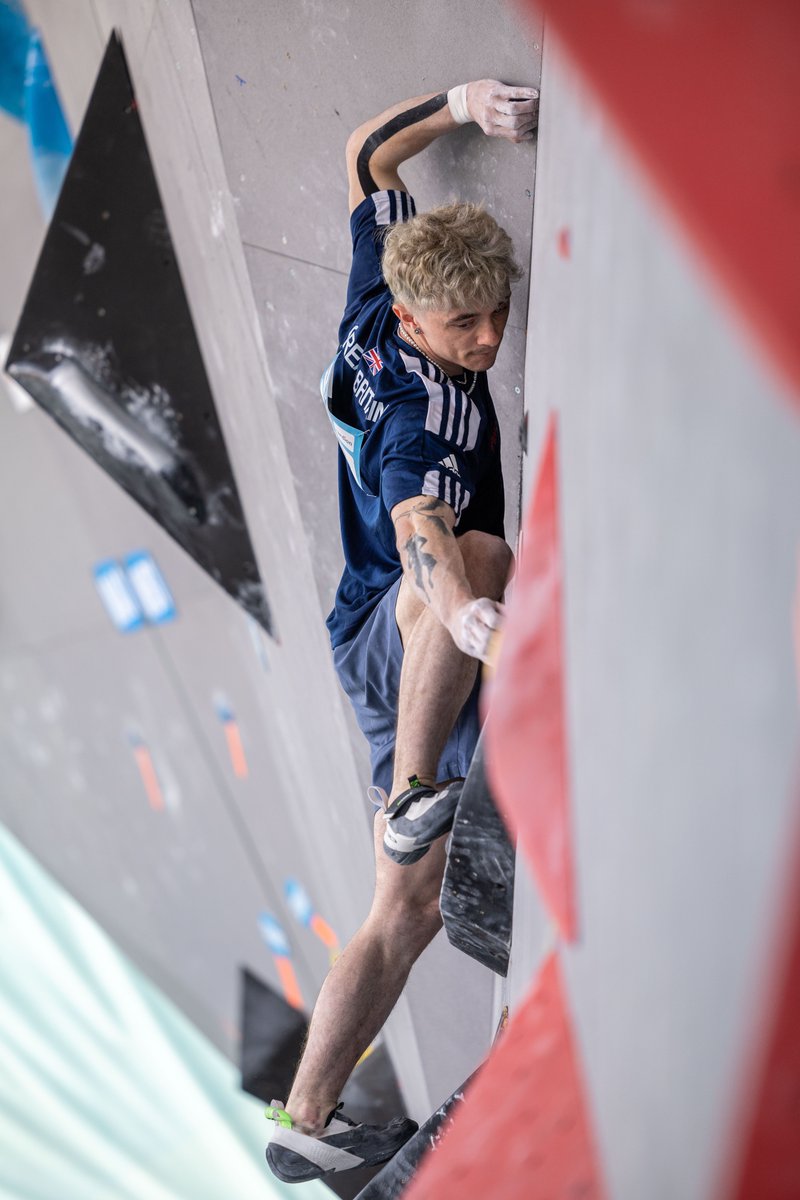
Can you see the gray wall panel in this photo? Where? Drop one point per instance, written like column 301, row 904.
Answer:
column 48, row 591
column 313, row 72
column 451, row 998
column 299, row 347
column 74, row 47
column 180, row 886
column 20, row 220
column 680, row 500
column 68, row 516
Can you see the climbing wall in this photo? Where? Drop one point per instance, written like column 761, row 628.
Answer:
column 179, row 770
column 644, row 744
column 198, row 786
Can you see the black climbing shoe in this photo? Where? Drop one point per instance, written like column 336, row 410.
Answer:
column 417, row 818
column 343, row 1145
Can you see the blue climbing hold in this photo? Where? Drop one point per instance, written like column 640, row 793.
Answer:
column 49, row 137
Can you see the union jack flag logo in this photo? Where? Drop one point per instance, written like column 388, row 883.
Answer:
column 373, row 361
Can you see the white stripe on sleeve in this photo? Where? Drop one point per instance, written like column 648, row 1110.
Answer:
column 382, row 208
column 463, row 417
column 432, row 484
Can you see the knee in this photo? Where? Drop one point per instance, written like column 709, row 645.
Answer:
column 408, row 610
column 423, row 922
column 488, row 562
column 412, row 924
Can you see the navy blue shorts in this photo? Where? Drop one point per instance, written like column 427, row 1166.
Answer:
column 368, row 667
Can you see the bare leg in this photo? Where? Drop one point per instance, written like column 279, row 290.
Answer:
column 362, row 988
column 427, row 711
column 437, row 678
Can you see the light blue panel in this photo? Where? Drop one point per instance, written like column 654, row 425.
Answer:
column 14, row 35
column 119, row 599
column 106, row 1089
column 222, row 707
column 273, row 935
column 150, row 587
column 298, row 900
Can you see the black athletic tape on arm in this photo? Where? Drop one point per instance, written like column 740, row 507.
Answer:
column 410, row 117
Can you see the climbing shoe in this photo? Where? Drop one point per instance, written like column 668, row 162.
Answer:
column 417, row 817
column 343, row 1145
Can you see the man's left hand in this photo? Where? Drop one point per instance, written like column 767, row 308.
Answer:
column 503, row 111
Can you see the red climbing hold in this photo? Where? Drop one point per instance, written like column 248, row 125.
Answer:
column 668, row 72
column 526, row 730
column 523, row 1130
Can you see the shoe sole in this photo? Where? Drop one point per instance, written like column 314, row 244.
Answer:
column 290, row 1166
column 404, row 858
column 405, row 848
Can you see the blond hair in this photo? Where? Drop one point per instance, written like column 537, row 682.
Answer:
column 452, row 257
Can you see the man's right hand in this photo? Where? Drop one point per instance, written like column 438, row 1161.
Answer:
column 473, row 625
column 503, row 111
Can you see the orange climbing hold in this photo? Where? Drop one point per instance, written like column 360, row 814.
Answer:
column 149, row 776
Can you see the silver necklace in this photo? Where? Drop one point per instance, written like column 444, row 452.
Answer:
column 459, row 380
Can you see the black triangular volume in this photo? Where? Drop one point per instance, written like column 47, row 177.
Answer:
column 273, row 1034
column 107, row 346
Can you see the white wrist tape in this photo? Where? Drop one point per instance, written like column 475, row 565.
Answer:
column 457, row 101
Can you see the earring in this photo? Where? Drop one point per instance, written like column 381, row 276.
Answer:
column 417, row 329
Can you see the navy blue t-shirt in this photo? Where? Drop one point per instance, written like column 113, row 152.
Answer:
column 404, row 429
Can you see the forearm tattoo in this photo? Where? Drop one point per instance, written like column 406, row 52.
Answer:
column 429, row 510
column 419, row 561
column 419, row 552
column 412, row 116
